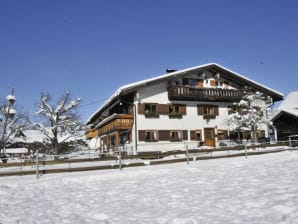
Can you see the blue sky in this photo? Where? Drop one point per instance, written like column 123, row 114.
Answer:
column 92, row 47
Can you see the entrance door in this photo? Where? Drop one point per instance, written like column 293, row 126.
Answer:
column 209, row 137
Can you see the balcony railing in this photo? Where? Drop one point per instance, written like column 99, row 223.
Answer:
column 206, row 94
column 115, row 122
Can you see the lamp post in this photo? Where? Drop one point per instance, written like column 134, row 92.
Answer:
column 8, row 113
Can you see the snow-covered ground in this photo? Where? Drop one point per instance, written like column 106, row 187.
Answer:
column 259, row 189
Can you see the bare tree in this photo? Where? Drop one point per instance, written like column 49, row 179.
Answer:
column 60, row 121
column 249, row 113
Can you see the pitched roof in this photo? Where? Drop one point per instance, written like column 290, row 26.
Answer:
column 289, row 106
column 211, row 66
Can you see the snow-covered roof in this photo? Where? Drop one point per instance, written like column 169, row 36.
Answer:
column 291, row 101
column 130, row 86
column 288, row 106
column 16, row 150
column 32, row 135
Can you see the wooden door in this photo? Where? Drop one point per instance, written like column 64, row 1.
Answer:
column 209, row 137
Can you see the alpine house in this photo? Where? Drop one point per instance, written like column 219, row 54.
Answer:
column 165, row 112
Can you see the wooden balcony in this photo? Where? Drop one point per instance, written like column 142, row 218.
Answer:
column 204, row 94
column 115, row 122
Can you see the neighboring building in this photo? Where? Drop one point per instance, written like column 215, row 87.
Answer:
column 285, row 121
column 162, row 113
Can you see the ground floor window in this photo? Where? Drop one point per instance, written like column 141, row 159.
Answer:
column 150, row 136
column 175, row 136
column 222, row 134
column 196, row 135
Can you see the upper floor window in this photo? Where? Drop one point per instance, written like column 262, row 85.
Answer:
column 151, row 110
column 208, row 111
column 193, row 82
column 175, row 111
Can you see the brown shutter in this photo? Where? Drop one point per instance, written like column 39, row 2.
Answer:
column 226, row 136
column 183, row 109
column 216, row 110
column 163, row 109
column 141, row 108
column 193, row 135
column 164, row 135
column 185, row 134
column 262, row 134
column 141, row 135
column 200, row 109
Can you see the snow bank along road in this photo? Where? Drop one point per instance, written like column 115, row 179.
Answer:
column 259, row 189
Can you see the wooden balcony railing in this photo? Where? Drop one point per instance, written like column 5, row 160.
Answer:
column 206, row 94
column 115, row 122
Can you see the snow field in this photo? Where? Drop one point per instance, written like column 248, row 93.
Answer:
column 260, row 189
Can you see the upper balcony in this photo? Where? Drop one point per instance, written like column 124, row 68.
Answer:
column 178, row 92
column 115, row 122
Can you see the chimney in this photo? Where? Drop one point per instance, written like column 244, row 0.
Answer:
column 170, row 70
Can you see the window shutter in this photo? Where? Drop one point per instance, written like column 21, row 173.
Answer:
column 163, row 109
column 262, row 134
column 183, row 109
column 164, row 135
column 216, row 113
column 185, row 135
column 141, row 108
column 141, row 135
column 225, row 134
column 200, row 109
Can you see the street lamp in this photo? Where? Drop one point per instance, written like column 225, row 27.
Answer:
column 8, row 113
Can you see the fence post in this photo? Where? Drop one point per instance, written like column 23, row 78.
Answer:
column 21, row 166
column 245, row 148
column 120, row 158
column 37, row 165
column 187, row 153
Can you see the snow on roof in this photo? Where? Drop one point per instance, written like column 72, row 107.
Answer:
column 17, row 150
column 289, row 106
column 291, row 101
column 164, row 76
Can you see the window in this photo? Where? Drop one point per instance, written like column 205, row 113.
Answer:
column 210, row 111
column 174, row 111
column 151, row 110
column 150, row 136
column 222, row 134
column 175, row 136
column 193, row 82
column 196, row 135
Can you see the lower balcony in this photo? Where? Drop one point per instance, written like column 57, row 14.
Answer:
column 115, row 122
column 206, row 94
